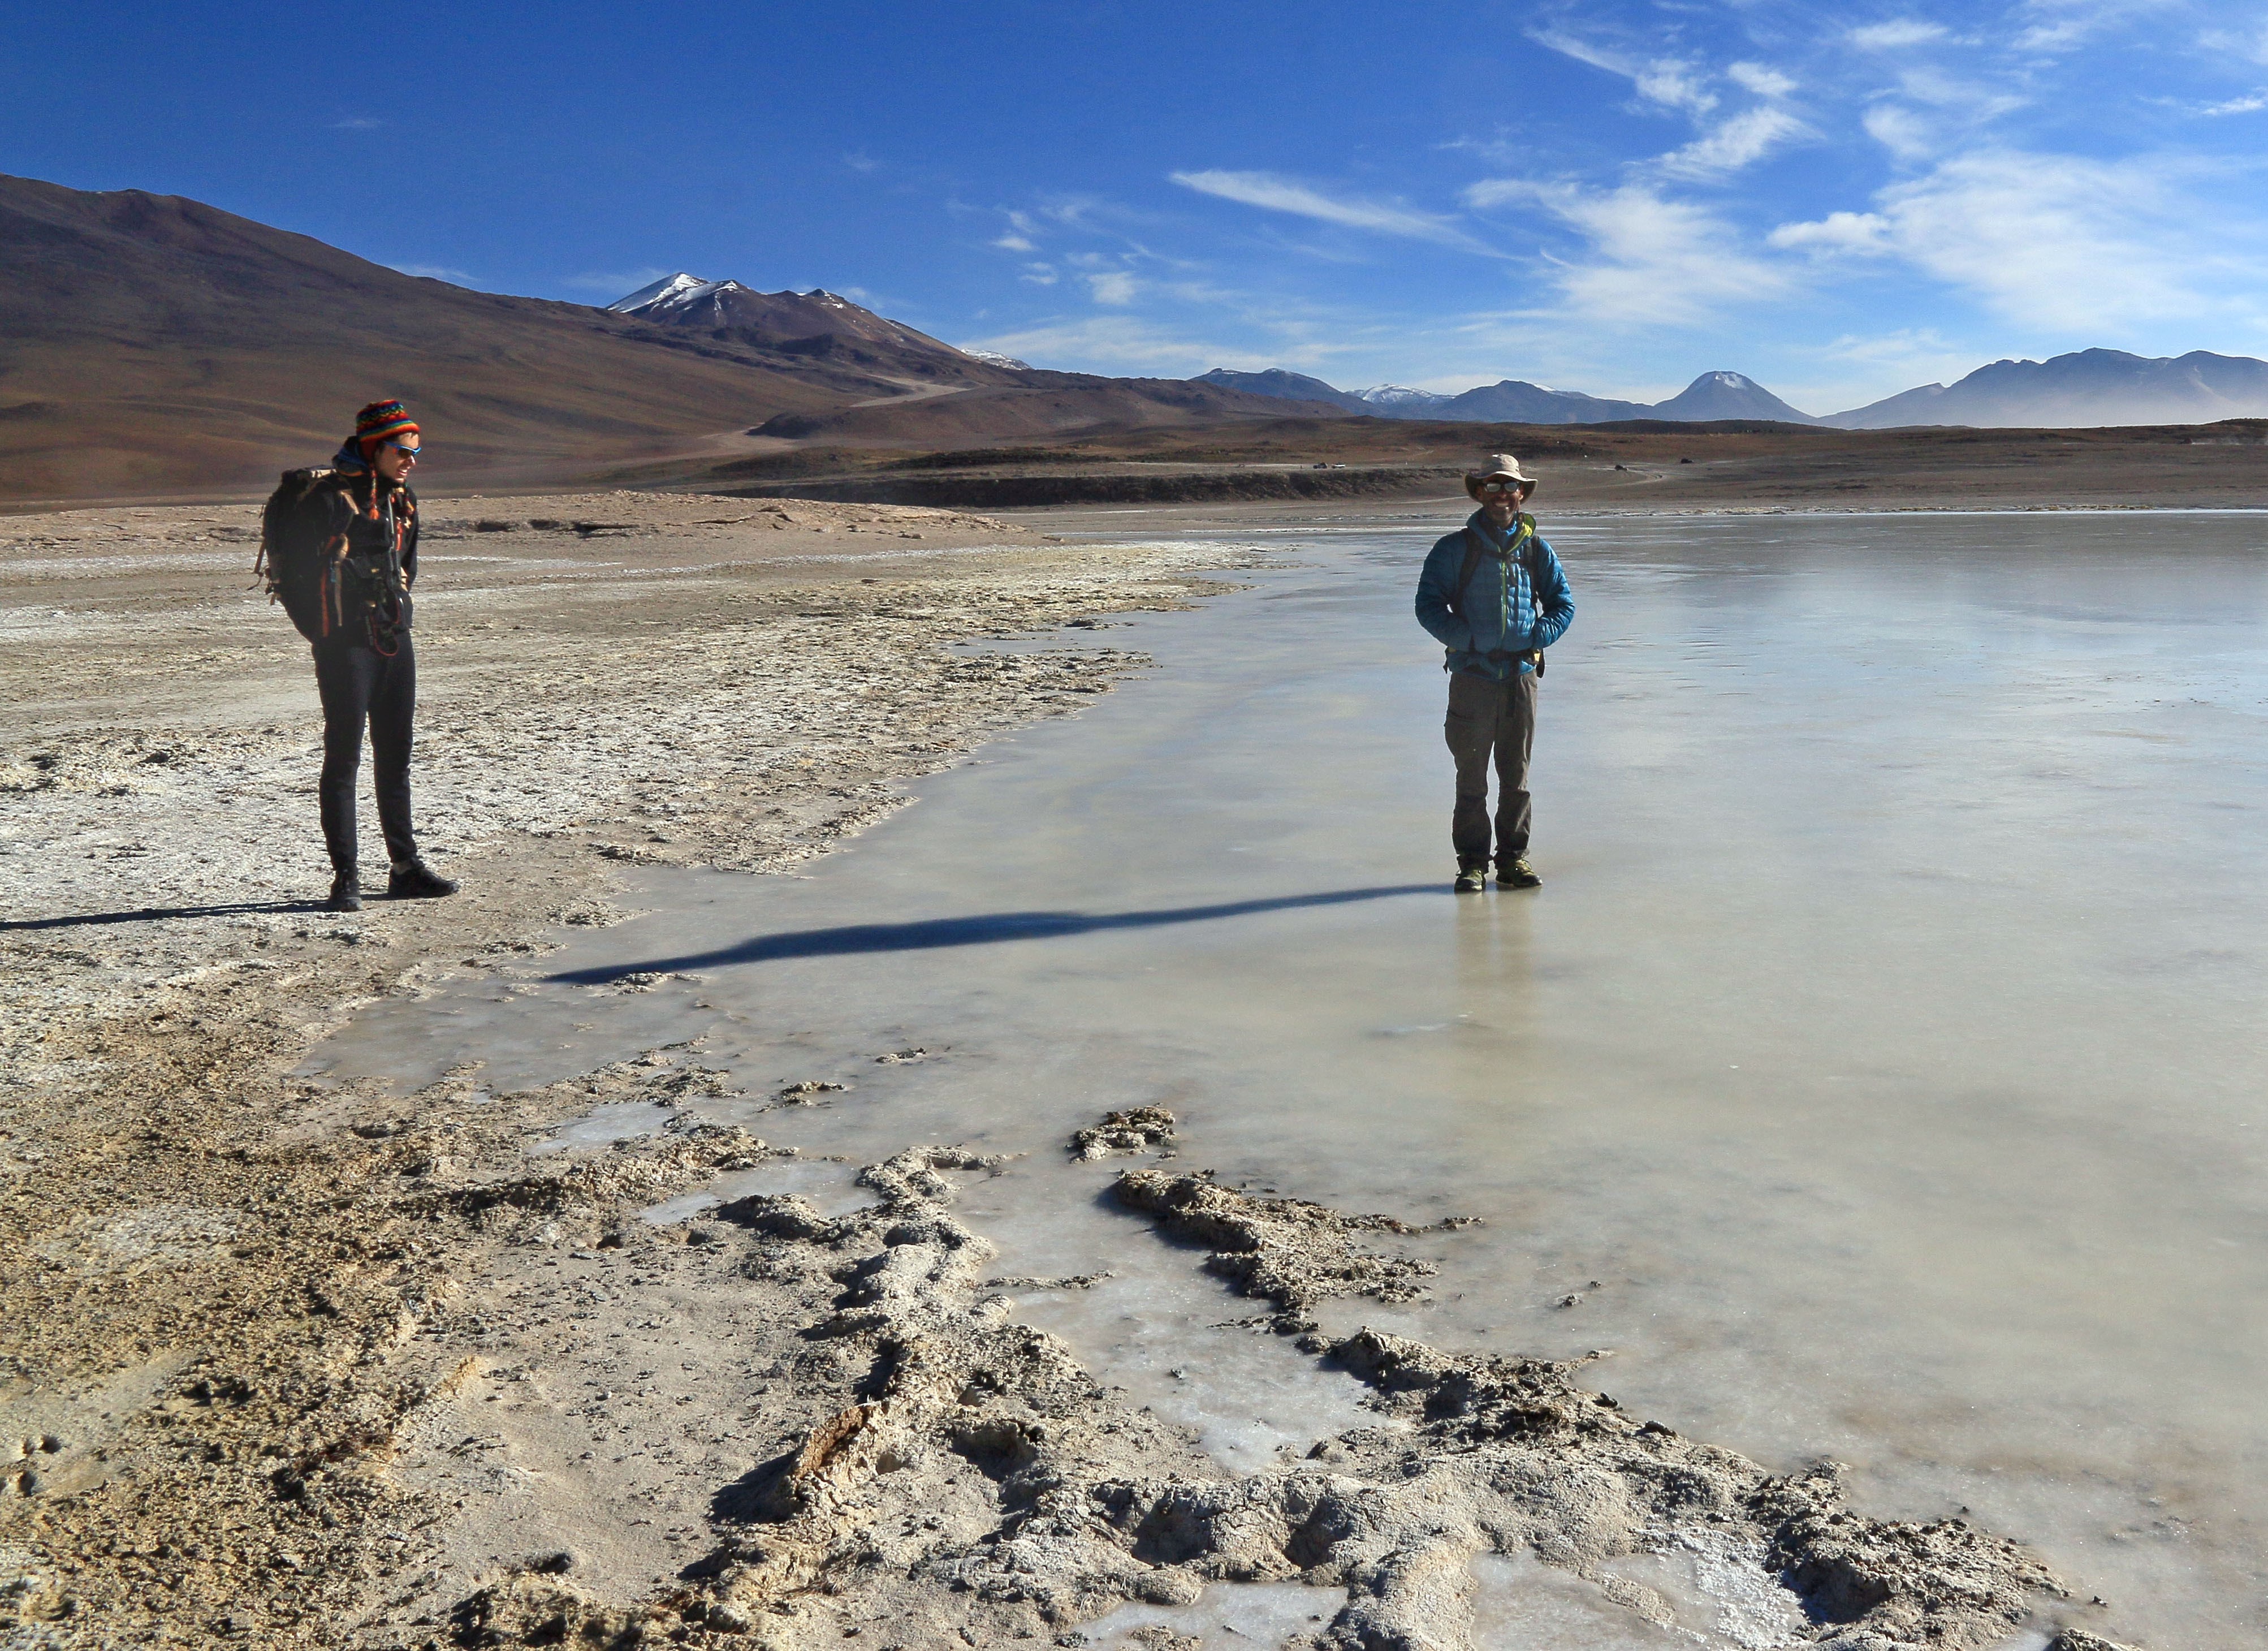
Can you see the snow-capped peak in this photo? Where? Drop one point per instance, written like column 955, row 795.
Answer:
column 820, row 295
column 994, row 358
column 1396, row 395
column 671, row 292
column 667, row 287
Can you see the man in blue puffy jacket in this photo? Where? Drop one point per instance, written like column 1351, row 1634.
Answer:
column 1494, row 596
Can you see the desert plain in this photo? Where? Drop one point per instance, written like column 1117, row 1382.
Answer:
column 293, row 1357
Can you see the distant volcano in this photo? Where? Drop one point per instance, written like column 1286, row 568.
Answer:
column 1727, row 395
column 818, row 326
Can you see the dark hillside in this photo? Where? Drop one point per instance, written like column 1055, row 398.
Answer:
column 149, row 344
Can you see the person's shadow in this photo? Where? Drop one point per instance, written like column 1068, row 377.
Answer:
column 153, row 914
column 985, row 930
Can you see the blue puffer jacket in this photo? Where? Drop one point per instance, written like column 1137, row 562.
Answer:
column 1519, row 598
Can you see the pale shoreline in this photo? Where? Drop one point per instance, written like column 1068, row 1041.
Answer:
column 168, row 964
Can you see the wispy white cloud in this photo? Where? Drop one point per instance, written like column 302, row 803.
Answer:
column 1975, row 101
column 1897, row 35
column 859, row 160
column 1761, row 78
column 1671, row 82
column 1905, row 134
column 1276, row 194
column 1039, row 275
column 442, row 272
column 2057, row 25
column 2248, row 42
column 1652, row 260
column 1022, row 233
column 1675, row 85
column 1867, row 234
column 2059, row 242
column 2253, row 104
column 357, row 123
column 1903, row 348
column 1933, row 115
column 1112, row 287
column 1125, row 343
column 1741, row 141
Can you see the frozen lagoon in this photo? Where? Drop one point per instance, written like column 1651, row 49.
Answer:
column 1886, row 1042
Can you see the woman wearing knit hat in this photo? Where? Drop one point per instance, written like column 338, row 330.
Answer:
column 341, row 548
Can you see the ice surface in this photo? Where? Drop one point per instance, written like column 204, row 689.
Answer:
column 1261, row 1615
column 1169, row 1346
column 830, row 1188
column 618, row 1120
column 1884, row 1043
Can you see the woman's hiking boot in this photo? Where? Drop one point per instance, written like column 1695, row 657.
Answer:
column 346, row 893
column 1472, row 879
column 416, row 881
column 1516, row 873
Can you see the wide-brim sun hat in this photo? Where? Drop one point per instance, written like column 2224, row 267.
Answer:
column 1501, row 466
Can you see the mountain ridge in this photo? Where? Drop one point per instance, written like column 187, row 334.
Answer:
column 2081, row 389
column 1713, row 395
column 2076, row 391
column 154, row 345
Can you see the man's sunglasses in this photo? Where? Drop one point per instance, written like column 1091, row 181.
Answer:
column 398, row 447
column 1502, row 487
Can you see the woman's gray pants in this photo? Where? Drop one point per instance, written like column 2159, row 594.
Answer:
column 361, row 688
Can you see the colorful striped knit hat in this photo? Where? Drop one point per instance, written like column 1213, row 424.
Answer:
column 381, row 421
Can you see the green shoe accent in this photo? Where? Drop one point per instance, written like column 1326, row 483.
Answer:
column 1517, row 874
column 1471, row 880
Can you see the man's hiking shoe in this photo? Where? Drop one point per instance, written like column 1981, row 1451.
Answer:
column 1517, row 874
column 417, row 882
column 1471, row 880
column 346, row 893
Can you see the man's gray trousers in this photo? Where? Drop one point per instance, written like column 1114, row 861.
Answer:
column 1491, row 720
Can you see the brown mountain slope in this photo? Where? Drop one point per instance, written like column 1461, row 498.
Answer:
column 149, row 344
column 1037, row 405
column 153, row 345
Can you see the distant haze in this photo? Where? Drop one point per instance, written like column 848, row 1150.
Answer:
column 2084, row 389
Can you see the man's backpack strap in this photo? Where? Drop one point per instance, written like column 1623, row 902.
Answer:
column 1474, row 551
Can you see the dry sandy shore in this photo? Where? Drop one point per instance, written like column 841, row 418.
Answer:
column 284, row 1365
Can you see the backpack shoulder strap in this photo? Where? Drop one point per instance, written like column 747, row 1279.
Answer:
column 1473, row 551
column 1531, row 550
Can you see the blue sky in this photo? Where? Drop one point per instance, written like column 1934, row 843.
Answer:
column 1842, row 201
